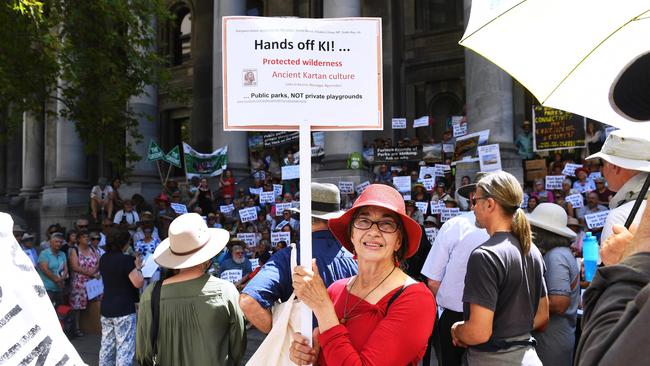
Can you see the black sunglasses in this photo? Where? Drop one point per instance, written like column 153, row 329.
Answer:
column 475, row 199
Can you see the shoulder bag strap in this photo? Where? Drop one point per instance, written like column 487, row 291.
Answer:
column 392, row 299
column 155, row 318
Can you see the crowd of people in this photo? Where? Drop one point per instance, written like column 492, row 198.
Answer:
column 380, row 246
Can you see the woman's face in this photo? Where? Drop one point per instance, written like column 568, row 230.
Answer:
column 72, row 238
column 84, row 239
column 464, row 181
column 373, row 244
column 117, row 183
column 228, row 174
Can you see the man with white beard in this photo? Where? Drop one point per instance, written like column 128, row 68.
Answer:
column 237, row 267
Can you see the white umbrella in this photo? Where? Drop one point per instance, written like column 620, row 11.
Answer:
column 590, row 57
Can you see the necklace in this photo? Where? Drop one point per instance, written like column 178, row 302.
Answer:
column 346, row 314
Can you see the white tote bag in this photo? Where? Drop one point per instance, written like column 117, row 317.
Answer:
column 274, row 350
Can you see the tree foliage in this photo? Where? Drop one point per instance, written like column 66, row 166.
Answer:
column 92, row 57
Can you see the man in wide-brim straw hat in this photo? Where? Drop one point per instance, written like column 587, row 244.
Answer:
column 626, row 164
column 199, row 322
column 273, row 282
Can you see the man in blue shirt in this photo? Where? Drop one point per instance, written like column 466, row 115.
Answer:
column 273, row 282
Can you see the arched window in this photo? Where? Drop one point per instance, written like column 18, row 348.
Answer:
column 181, row 36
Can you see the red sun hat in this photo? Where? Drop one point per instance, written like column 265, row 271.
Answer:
column 382, row 196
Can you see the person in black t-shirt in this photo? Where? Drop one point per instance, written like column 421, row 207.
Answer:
column 122, row 277
column 505, row 297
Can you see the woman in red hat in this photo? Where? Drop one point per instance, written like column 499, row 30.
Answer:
column 381, row 316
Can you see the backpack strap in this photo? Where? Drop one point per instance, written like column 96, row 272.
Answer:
column 155, row 318
column 396, row 295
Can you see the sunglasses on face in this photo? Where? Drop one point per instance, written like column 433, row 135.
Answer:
column 385, row 226
column 474, row 200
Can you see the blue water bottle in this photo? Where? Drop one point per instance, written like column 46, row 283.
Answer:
column 590, row 255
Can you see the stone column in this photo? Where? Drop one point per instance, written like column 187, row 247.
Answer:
column 202, row 27
column 237, row 141
column 33, row 154
column 339, row 145
column 489, row 100
column 144, row 178
column 14, row 164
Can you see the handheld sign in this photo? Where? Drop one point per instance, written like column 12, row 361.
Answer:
column 278, row 236
column 277, row 189
column 570, row 169
column 431, row 233
column 596, row 220
column 362, row 186
column 232, row 275
column 179, row 208
column 155, row 152
column 429, row 183
column 554, row 182
column 290, row 172
column 346, row 187
column 447, row 214
column 173, row 157
column 422, row 206
column 94, row 288
column 226, row 209
column 249, row 238
column 421, row 122
column 460, row 129
column 255, row 263
column 437, row 206
column 267, row 197
column 524, row 201
column 255, row 191
column 576, row 200
column 489, row 158
column 281, row 207
column 399, row 123
column 424, row 170
column 248, row 214
column 402, row 184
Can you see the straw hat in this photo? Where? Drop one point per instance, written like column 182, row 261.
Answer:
column 325, row 201
column 627, row 149
column 190, row 242
column 382, row 196
column 551, row 217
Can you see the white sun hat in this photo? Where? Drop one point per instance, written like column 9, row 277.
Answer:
column 551, row 217
column 628, row 149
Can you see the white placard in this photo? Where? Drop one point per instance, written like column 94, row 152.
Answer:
column 407, row 197
column 255, row 263
column 277, row 189
column 570, row 169
column 281, row 224
column 279, row 71
column 524, row 201
column 150, row 266
column 179, row 208
column 422, row 206
column 460, row 129
column 280, row 236
column 554, row 182
column 424, row 170
column 399, row 123
column 437, row 206
column 248, row 214
column 596, row 220
column 346, row 187
column 448, row 148
column 429, row 183
column 256, row 191
column 94, row 288
column 447, row 214
column 362, row 186
column 576, row 200
column 232, row 275
column 431, row 233
column 421, row 122
column 295, row 204
column 489, row 158
column 594, row 175
column 227, row 208
column 267, row 197
column 281, row 207
column 402, row 184
column 249, row 238
column 441, row 169
column 290, row 172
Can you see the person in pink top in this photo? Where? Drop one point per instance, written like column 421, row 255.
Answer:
column 380, row 316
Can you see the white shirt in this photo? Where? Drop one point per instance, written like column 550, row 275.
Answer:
column 618, row 214
column 99, row 193
column 447, row 259
column 131, row 217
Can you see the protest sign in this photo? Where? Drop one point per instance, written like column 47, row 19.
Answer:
column 431, row 233
column 448, row 148
column 277, row 189
column 421, row 122
column 489, row 158
column 281, row 207
column 407, row 197
column 278, row 138
column 227, row 208
column 596, row 220
column 295, row 204
column 255, row 263
column 570, row 169
column 290, row 172
column 524, row 201
column 447, row 214
column 278, row 236
column 402, row 184
column 554, row 129
column 94, row 288
column 459, row 129
column 248, row 214
column 424, row 170
column 179, row 208
column 346, row 187
column 255, row 191
column 173, row 157
column 267, row 197
column 362, row 186
column 274, row 69
column 397, row 154
column 150, row 266
column 155, row 152
column 437, row 206
column 594, row 175
column 399, row 123
column 432, row 152
column 576, row 200
column 422, row 206
column 466, row 147
column 231, row 275
column 429, row 183
column 554, row 182
column 204, row 165
column 441, row 169
column 249, row 238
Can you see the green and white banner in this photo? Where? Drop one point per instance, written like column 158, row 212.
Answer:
column 205, row 165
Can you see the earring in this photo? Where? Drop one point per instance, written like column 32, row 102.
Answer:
column 396, row 258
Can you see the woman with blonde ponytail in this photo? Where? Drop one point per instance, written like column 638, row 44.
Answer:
column 505, row 295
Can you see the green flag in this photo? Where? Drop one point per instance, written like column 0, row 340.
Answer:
column 155, row 152
column 174, row 157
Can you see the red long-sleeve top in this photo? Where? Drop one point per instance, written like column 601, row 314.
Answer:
column 373, row 337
